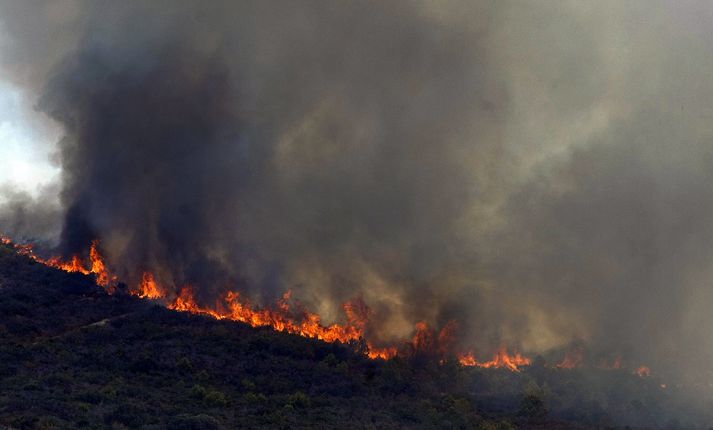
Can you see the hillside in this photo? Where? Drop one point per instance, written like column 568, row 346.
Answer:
column 72, row 356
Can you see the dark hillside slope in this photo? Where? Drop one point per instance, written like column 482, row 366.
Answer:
column 72, row 356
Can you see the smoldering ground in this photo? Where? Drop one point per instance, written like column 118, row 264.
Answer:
column 539, row 172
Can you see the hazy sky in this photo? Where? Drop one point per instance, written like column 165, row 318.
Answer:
column 26, row 142
column 27, row 137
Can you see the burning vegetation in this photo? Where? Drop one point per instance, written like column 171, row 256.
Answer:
column 95, row 352
column 483, row 185
column 288, row 315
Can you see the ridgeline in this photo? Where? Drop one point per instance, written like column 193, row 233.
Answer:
column 72, row 356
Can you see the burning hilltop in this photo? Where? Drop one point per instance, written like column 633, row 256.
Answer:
column 171, row 369
column 290, row 316
column 285, row 316
column 439, row 162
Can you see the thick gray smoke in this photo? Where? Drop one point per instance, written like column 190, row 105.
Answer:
column 540, row 172
column 27, row 218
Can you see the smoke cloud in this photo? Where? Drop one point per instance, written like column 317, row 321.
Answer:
column 27, row 218
column 539, row 172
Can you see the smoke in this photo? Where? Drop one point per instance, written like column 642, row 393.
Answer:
column 275, row 146
column 539, row 172
column 27, row 218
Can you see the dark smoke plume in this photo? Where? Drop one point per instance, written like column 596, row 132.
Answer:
column 275, row 145
column 540, row 172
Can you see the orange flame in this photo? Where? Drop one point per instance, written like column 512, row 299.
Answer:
column 234, row 308
column 423, row 340
column 467, row 359
column 501, row 360
column 74, row 265
column 97, row 266
column 383, row 353
column 149, row 289
column 574, row 358
column 293, row 318
column 615, row 365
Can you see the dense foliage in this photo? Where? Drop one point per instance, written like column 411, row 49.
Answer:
column 73, row 357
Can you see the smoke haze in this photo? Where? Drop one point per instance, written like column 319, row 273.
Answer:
column 540, row 172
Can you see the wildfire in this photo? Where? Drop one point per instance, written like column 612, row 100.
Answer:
column 615, row 365
column 97, row 265
column 574, row 358
column 306, row 324
column 74, row 265
column 426, row 341
column 501, row 360
column 290, row 316
column 149, row 289
column 382, row 353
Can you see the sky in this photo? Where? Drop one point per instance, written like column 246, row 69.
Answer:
column 26, row 143
column 27, row 137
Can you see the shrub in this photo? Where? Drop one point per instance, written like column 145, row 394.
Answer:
column 298, row 400
column 193, row 422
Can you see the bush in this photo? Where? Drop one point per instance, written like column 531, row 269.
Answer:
column 532, row 406
column 298, row 400
column 254, row 398
column 193, row 422
column 215, row 398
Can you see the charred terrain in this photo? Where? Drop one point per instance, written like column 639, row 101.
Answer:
column 73, row 356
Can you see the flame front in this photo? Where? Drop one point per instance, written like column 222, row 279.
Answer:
column 97, row 265
column 233, row 307
column 573, row 359
column 293, row 318
column 149, row 289
column 501, row 360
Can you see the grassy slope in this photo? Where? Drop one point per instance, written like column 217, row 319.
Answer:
column 74, row 357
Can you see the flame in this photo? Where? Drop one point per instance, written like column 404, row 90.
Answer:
column 447, row 338
column 97, row 266
column 643, row 372
column 574, row 358
column 467, row 359
column 305, row 323
column 149, row 289
column 289, row 316
column 73, row 265
column 615, row 365
column 386, row 353
column 501, row 360
column 423, row 340
column 308, row 324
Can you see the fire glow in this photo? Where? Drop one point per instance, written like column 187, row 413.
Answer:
column 291, row 317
